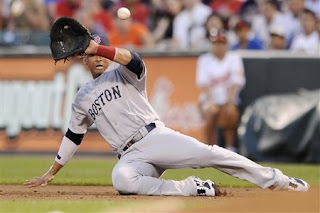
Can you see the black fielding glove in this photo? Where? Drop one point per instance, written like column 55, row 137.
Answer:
column 68, row 38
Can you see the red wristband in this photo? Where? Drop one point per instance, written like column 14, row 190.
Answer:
column 106, row 51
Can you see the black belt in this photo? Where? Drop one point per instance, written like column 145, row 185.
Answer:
column 139, row 136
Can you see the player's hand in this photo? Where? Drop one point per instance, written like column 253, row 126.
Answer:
column 92, row 48
column 43, row 181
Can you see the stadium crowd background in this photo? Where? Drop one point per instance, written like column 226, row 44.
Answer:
column 170, row 24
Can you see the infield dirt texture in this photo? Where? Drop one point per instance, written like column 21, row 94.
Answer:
column 235, row 199
column 84, row 185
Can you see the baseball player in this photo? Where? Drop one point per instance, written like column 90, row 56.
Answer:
column 116, row 101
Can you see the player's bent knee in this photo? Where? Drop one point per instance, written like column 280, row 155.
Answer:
column 125, row 187
column 125, row 183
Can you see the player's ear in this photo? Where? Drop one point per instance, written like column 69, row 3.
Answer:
column 84, row 60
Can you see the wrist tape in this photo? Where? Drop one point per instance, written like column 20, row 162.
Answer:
column 66, row 151
column 106, row 51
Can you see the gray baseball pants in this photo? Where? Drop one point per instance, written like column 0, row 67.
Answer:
column 139, row 169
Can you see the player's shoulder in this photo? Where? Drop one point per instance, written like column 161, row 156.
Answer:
column 84, row 90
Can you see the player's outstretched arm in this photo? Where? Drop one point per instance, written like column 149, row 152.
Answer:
column 68, row 147
column 46, row 178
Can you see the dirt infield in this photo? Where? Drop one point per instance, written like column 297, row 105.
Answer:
column 235, row 200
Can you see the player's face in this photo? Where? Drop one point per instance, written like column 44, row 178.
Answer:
column 96, row 64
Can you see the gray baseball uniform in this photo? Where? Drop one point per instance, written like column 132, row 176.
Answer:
column 117, row 103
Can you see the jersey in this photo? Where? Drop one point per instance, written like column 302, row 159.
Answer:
column 116, row 102
column 220, row 75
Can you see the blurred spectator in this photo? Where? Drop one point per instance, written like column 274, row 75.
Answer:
column 278, row 40
column 246, row 41
column 230, row 27
column 2, row 16
column 129, row 34
column 226, row 8
column 26, row 23
column 28, row 15
column 207, row 2
column 188, row 26
column 85, row 17
column 157, row 10
column 215, row 22
column 67, row 8
column 100, row 16
column 4, row 13
column 220, row 76
column 295, row 8
column 139, row 11
column 249, row 10
column 270, row 16
column 313, row 5
column 309, row 40
column 50, row 6
column 164, row 27
column 107, row 4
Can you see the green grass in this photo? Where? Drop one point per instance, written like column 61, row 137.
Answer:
column 57, row 206
column 101, row 206
column 79, row 171
column 97, row 171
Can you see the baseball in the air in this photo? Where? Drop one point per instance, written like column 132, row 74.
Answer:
column 123, row 13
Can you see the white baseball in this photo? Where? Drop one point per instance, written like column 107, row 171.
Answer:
column 123, row 13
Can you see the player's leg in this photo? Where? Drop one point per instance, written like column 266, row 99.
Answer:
column 170, row 149
column 133, row 176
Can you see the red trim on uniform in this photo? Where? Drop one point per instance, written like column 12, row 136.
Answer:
column 106, row 51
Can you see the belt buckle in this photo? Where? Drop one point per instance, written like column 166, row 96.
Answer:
column 135, row 139
column 139, row 136
column 127, row 146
